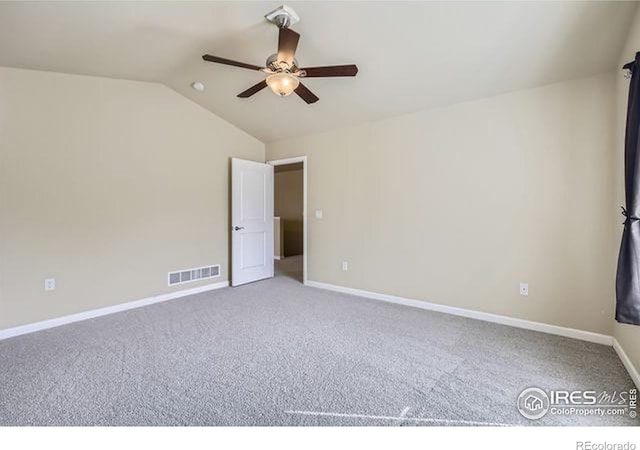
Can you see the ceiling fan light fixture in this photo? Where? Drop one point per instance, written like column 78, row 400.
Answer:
column 282, row 83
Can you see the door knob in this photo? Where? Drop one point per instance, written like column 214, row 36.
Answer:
column 238, row 228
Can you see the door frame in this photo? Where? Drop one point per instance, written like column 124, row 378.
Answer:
column 303, row 160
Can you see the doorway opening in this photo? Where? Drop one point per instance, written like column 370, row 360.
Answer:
column 290, row 218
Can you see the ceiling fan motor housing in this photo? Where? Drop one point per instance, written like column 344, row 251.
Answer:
column 277, row 66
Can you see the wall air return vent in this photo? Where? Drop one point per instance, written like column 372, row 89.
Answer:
column 199, row 273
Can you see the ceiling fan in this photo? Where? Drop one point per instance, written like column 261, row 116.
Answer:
column 282, row 68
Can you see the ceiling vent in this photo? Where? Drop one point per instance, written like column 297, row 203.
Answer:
column 189, row 275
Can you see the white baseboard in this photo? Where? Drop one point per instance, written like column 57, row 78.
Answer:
column 487, row 317
column 278, row 257
column 51, row 323
column 626, row 361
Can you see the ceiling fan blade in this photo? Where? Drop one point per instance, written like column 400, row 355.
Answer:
column 287, row 45
column 230, row 62
column 253, row 89
column 305, row 94
column 349, row 70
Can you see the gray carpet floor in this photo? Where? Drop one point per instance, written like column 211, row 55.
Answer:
column 278, row 353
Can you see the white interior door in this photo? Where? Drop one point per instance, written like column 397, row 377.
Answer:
column 251, row 221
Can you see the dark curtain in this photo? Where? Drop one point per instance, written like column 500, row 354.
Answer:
column 628, row 276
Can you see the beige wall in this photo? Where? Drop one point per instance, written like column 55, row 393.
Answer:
column 627, row 335
column 106, row 185
column 458, row 205
column 289, row 204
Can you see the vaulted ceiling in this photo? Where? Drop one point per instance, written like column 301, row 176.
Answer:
column 411, row 55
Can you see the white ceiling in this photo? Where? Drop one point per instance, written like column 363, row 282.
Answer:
column 411, row 55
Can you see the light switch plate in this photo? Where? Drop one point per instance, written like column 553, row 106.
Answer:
column 345, row 265
column 49, row 284
column 318, row 214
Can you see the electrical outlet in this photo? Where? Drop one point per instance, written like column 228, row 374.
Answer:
column 345, row 265
column 524, row 288
column 49, row 284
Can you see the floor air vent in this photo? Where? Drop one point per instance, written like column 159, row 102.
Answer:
column 199, row 273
